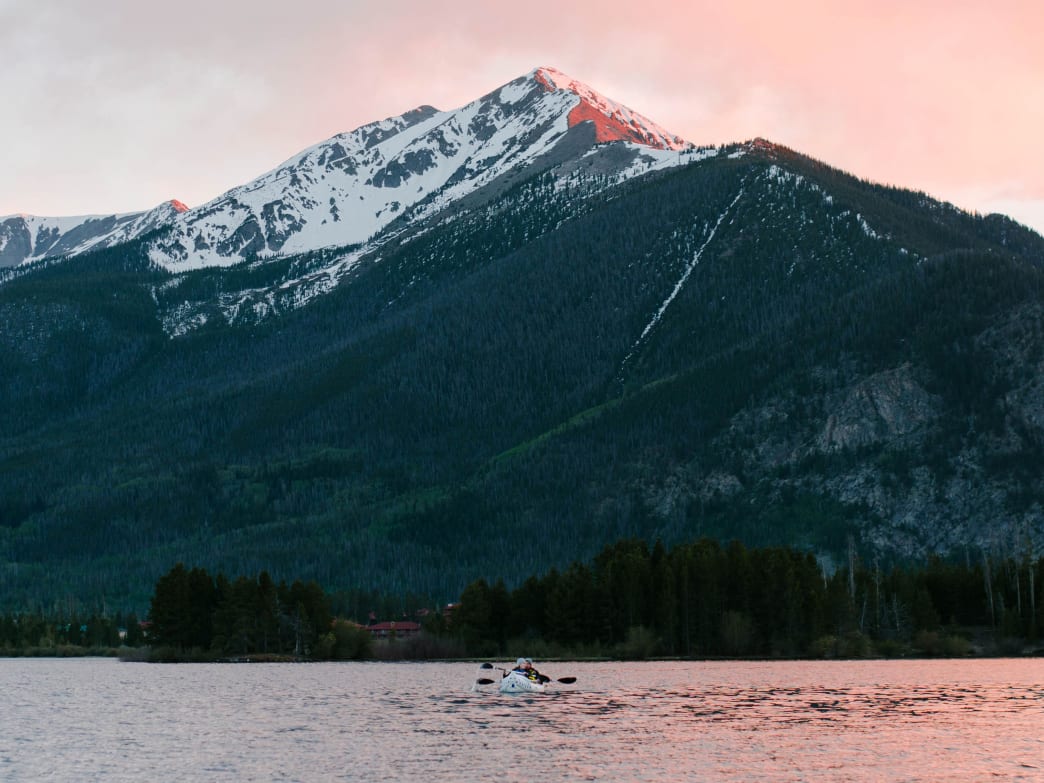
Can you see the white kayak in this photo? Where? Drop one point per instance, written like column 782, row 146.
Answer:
column 516, row 682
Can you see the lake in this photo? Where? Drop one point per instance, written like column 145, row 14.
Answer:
column 102, row 720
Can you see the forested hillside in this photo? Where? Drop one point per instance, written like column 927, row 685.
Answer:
column 753, row 346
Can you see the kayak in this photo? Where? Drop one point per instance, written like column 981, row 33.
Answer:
column 516, row 682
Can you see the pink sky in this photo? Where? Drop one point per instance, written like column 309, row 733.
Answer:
column 113, row 105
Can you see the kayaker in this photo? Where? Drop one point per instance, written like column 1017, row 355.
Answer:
column 525, row 666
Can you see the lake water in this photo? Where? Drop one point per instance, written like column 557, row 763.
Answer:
column 103, row 720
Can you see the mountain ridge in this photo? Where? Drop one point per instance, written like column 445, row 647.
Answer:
column 347, row 188
column 27, row 238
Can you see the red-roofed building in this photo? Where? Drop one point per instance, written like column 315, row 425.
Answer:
column 402, row 629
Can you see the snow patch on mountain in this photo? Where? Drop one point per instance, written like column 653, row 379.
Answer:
column 693, row 263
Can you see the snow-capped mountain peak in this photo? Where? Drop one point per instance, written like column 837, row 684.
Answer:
column 350, row 188
column 613, row 121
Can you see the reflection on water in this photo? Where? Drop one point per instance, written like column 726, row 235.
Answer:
column 101, row 720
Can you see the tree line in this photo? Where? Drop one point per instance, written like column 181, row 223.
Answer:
column 62, row 633
column 703, row 598
column 696, row 599
column 194, row 615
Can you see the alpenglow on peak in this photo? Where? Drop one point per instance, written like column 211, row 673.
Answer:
column 613, row 121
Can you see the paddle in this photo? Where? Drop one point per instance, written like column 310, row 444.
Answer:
column 485, row 681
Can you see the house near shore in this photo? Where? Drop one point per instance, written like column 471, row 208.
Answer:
column 394, row 629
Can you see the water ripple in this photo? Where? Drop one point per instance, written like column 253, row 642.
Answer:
column 100, row 720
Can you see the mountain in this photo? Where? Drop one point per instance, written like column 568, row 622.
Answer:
column 348, row 188
column 25, row 238
column 575, row 328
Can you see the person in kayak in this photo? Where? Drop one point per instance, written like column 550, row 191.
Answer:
column 525, row 667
